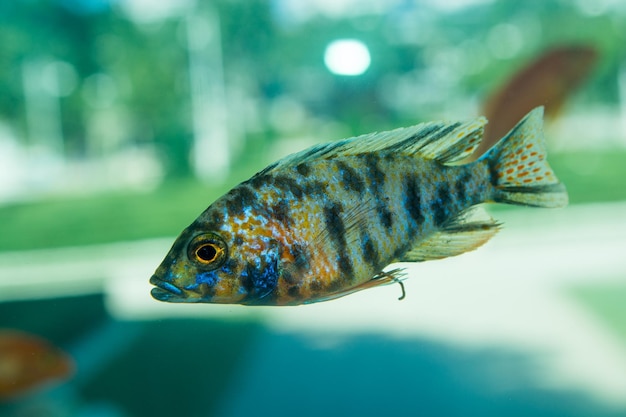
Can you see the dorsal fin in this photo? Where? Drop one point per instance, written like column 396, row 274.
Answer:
column 447, row 143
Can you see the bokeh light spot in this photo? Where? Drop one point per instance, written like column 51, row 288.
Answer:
column 347, row 57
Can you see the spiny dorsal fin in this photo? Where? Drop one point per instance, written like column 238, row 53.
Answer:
column 466, row 232
column 457, row 145
column 447, row 143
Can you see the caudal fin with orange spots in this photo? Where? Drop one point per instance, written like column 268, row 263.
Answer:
column 519, row 170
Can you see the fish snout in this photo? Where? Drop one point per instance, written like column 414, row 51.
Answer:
column 165, row 291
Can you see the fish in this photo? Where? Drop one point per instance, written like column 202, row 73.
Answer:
column 325, row 222
column 29, row 362
column 547, row 80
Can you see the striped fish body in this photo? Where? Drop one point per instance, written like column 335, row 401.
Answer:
column 326, row 222
column 339, row 222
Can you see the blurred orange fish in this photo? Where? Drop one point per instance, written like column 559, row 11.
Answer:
column 28, row 362
column 547, row 81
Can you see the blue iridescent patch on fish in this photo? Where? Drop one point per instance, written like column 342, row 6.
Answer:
column 170, row 287
column 210, row 278
column 262, row 276
column 325, row 222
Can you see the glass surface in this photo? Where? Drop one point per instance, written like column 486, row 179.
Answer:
column 121, row 121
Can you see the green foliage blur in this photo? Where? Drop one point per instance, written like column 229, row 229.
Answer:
column 126, row 84
column 266, row 56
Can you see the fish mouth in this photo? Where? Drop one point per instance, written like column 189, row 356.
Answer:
column 165, row 291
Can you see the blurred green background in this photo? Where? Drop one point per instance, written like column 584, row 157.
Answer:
column 121, row 120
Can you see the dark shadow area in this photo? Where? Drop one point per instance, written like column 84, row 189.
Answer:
column 208, row 367
column 371, row 375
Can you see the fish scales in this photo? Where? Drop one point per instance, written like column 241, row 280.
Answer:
column 363, row 251
column 325, row 222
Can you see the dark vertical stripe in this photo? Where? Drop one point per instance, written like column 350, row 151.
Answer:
column 335, row 285
column 258, row 181
column 315, row 286
column 212, row 218
column 412, row 199
column 334, row 225
column 288, row 185
column 303, row 169
column 461, row 186
column 376, row 179
column 385, row 216
column 350, row 178
column 294, row 291
column 493, row 172
column 280, row 212
column 370, row 252
column 441, row 205
column 375, row 175
column 287, row 276
column 314, row 188
column 401, row 250
column 337, row 232
column 241, row 198
column 345, row 266
column 301, row 257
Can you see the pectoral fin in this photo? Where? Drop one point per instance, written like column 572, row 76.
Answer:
column 464, row 233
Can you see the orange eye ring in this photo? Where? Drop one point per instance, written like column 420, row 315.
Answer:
column 208, row 251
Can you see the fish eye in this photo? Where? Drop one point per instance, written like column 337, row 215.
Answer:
column 209, row 250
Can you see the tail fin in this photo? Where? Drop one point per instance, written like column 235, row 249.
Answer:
column 519, row 170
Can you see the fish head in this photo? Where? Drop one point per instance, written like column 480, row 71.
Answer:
column 218, row 266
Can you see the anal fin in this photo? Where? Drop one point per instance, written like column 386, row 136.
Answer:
column 465, row 232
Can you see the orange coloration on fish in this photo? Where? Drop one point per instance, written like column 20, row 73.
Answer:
column 28, row 362
column 326, row 222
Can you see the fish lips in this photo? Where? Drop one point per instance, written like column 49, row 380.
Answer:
column 165, row 291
